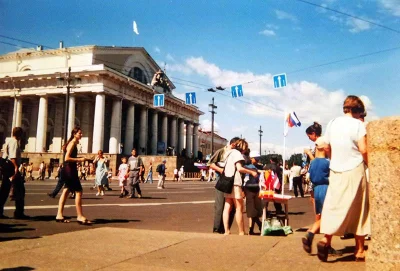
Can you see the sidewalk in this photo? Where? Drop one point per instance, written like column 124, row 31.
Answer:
column 131, row 249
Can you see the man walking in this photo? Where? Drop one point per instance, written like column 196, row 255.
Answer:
column 135, row 167
column 12, row 152
column 161, row 174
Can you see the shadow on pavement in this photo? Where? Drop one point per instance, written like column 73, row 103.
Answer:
column 151, row 198
column 19, row 268
column 301, row 230
column 297, row 213
column 12, row 228
column 100, row 221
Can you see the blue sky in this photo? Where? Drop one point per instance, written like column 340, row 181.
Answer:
column 231, row 42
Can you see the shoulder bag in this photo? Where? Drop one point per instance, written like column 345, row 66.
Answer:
column 225, row 184
column 7, row 167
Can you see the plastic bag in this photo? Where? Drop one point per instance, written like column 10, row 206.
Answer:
column 274, row 228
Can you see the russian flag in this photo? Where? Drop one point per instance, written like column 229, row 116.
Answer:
column 293, row 120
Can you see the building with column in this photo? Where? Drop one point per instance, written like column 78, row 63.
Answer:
column 204, row 142
column 112, row 102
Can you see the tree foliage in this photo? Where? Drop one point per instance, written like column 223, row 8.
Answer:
column 265, row 159
column 295, row 159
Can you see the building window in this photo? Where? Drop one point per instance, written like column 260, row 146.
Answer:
column 137, row 74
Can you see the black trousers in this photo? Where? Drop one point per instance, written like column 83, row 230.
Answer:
column 19, row 194
column 59, row 186
column 297, row 183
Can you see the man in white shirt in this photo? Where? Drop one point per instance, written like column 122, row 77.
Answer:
column 295, row 171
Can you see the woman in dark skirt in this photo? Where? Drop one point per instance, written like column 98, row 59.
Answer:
column 69, row 174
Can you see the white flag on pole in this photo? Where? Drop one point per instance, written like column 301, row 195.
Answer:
column 135, row 28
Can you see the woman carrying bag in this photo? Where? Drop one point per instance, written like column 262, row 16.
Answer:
column 233, row 168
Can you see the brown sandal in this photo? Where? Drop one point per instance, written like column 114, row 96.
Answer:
column 323, row 250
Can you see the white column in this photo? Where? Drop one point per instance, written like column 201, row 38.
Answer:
column 154, row 133
column 41, row 131
column 195, row 139
column 98, row 127
column 189, row 139
column 181, row 135
column 164, row 131
column 173, row 134
column 115, row 130
column 86, row 127
column 143, row 131
column 71, row 115
column 129, row 129
column 17, row 116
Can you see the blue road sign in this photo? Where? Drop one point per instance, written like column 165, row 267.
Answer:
column 190, row 97
column 237, row 91
column 280, row 80
column 158, row 100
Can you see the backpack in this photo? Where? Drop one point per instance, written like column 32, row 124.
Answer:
column 158, row 169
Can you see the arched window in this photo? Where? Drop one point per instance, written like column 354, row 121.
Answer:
column 26, row 68
column 137, row 74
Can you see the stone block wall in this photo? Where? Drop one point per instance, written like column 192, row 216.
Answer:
column 384, row 169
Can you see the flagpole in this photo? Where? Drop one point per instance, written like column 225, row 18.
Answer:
column 284, row 153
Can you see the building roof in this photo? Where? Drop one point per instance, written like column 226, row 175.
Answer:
column 209, row 133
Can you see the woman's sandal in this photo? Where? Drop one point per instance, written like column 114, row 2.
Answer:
column 85, row 222
column 62, row 220
column 323, row 250
column 307, row 243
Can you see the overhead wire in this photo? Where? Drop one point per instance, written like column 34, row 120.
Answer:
column 193, row 84
column 349, row 15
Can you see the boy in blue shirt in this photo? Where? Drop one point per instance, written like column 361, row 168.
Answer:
column 319, row 176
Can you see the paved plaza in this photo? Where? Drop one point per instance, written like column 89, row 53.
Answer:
column 165, row 230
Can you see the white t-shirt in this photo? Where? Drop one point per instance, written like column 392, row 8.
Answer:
column 295, row 171
column 230, row 162
column 176, row 171
column 343, row 134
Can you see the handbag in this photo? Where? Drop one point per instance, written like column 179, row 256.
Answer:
column 7, row 167
column 225, row 184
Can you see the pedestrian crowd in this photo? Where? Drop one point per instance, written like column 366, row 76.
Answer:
column 335, row 177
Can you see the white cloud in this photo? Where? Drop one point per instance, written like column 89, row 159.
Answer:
column 310, row 101
column 272, row 26
column 392, row 5
column 267, row 32
column 157, row 50
column 179, row 95
column 357, row 26
column 178, row 68
column 206, row 125
column 282, row 15
column 239, row 129
column 270, row 148
column 170, row 57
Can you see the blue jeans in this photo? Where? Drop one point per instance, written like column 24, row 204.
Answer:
column 149, row 175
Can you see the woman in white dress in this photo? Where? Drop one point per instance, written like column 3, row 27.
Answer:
column 346, row 206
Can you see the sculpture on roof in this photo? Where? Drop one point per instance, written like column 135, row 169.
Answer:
column 159, row 79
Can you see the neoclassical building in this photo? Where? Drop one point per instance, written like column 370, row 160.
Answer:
column 112, row 102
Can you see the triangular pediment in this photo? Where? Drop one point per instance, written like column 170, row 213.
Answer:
column 134, row 62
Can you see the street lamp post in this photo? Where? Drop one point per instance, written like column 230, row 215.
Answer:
column 70, row 83
column 211, row 108
column 260, row 133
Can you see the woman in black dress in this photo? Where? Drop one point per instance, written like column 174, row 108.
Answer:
column 69, row 173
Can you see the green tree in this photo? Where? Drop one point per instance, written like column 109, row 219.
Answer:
column 295, row 159
column 265, row 159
